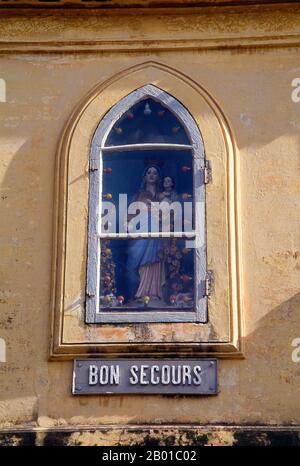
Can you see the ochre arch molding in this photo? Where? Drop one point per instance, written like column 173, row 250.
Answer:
column 222, row 334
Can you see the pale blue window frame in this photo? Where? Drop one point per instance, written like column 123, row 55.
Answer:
column 93, row 310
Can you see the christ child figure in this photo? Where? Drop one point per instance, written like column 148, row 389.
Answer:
column 168, row 193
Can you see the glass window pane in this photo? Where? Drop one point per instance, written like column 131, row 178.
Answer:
column 145, row 177
column 146, row 274
column 147, row 121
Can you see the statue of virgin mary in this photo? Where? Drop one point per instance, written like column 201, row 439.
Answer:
column 143, row 261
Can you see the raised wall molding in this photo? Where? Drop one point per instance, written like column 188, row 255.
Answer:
column 129, row 4
column 75, row 47
column 131, row 30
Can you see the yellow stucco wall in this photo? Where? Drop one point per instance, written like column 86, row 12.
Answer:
column 246, row 60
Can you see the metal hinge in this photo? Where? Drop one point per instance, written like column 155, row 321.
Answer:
column 209, row 283
column 207, row 172
column 94, row 165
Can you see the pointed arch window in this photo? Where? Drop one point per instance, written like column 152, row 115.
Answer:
column 147, row 245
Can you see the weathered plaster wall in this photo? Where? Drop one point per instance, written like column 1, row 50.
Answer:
column 252, row 86
column 152, row 436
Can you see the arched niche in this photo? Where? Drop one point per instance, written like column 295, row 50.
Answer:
column 221, row 334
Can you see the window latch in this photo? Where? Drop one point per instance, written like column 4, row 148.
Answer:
column 94, row 165
column 209, row 283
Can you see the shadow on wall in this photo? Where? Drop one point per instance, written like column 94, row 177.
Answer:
column 276, row 330
column 269, row 378
column 25, row 239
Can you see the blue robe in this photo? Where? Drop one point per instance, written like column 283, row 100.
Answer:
column 140, row 251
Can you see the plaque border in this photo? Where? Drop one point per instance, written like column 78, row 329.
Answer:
column 213, row 393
